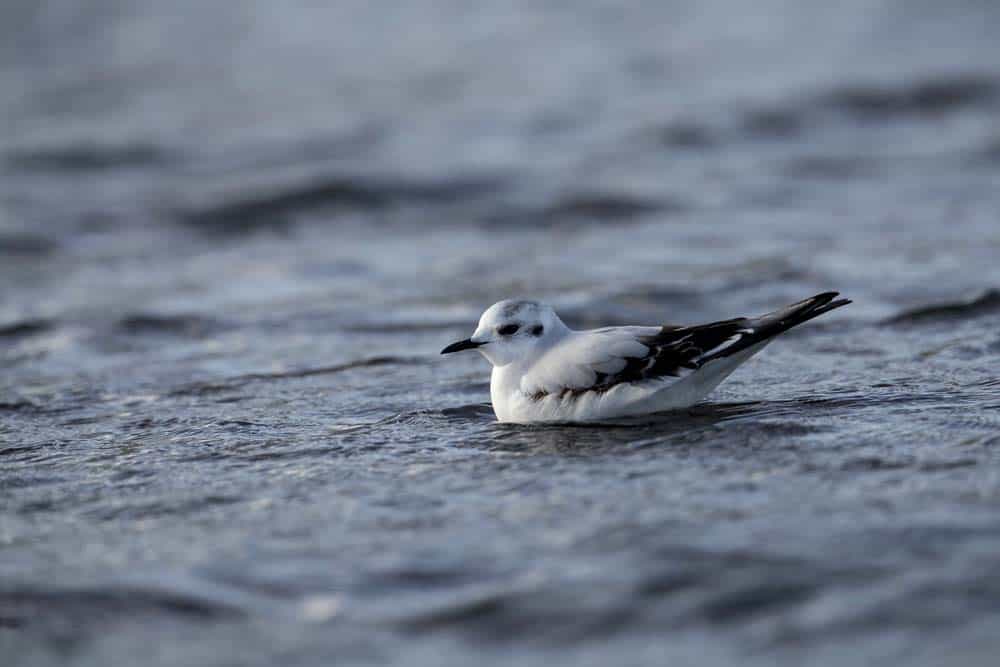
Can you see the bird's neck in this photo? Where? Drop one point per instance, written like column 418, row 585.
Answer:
column 506, row 379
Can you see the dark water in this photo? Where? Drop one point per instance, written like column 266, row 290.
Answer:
column 235, row 235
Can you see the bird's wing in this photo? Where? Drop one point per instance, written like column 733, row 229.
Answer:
column 601, row 359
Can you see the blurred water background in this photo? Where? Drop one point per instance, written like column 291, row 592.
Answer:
column 233, row 237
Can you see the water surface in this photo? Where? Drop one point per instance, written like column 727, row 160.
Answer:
column 233, row 239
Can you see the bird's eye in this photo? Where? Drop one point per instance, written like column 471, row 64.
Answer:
column 508, row 329
column 537, row 331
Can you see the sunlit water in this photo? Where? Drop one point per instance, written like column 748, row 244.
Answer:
column 234, row 238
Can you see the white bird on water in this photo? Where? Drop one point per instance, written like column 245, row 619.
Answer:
column 543, row 371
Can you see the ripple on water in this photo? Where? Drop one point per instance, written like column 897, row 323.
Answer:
column 43, row 610
column 224, row 289
column 986, row 303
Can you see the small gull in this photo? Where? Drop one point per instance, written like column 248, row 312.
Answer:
column 543, row 371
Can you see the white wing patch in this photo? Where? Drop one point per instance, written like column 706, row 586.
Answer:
column 735, row 338
column 577, row 363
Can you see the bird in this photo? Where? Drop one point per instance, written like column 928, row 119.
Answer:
column 545, row 372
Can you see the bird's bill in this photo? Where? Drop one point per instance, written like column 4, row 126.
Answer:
column 466, row 344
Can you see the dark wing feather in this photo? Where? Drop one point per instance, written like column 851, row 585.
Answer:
column 676, row 351
column 673, row 352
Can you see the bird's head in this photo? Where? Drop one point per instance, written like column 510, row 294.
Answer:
column 512, row 330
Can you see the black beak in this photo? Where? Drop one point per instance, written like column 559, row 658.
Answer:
column 466, row 344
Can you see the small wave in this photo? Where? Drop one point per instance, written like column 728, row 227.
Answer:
column 741, row 585
column 756, row 599
column 602, row 206
column 139, row 510
column 201, row 388
column 548, row 615
column 194, row 326
column 18, row 451
column 25, row 328
column 402, row 327
column 688, row 135
column 762, row 123
column 789, row 119
column 327, row 370
column 89, row 157
column 584, row 207
column 986, row 303
column 775, row 123
column 929, row 96
column 240, row 211
column 24, row 245
column 30, row 607
column 935, row 466
column 873, row 463
column 485, row 609
column 19, row 406
column 476, row 411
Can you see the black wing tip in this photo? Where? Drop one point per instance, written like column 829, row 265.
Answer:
column 829, row 304
column 823, row 299
column 803, row 311
column 837, row 303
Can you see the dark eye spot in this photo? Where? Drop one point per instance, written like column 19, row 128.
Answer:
column 537, row 331
column 508, row 329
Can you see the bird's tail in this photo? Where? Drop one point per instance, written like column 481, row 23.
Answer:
column 755, row 330
column 735, row 341
column 785, row 318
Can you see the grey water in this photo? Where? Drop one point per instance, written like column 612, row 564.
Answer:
column 234, row 236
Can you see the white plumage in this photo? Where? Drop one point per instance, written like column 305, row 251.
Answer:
column 543, row 371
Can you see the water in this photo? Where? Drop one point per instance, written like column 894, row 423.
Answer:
column 234, row 238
